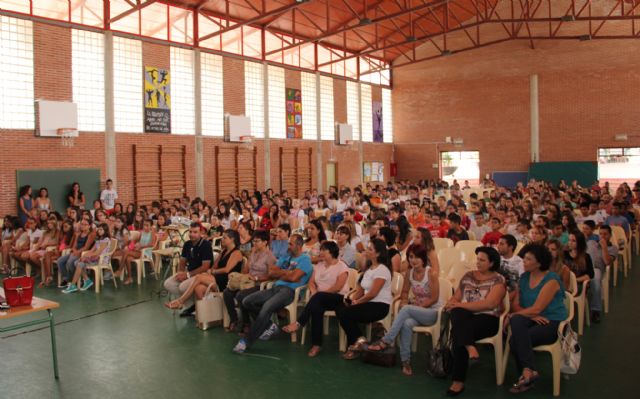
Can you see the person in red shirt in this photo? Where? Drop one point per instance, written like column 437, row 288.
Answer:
column 465, row 221
column 491, row 238
column 439, row 225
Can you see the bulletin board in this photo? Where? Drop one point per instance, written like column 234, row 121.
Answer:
column 373, row 171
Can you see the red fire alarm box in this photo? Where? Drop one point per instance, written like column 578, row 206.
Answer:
column 393, row 169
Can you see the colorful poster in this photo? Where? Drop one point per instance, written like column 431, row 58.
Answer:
column 157, row 100
column 373, row 171
column 377, row 122
column 294, row 113
column 367, row 172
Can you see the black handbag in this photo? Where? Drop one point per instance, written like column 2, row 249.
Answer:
column 385, row 358
column 440, row 357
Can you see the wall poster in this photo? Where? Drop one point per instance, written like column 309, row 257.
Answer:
column 377, row 122
column 157, row 100
column 294, row 113
column 373, row 171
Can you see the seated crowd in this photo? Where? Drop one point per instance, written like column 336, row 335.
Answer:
column 348, row 248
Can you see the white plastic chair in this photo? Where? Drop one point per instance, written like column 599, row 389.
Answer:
column 292, row 309
column 447, row 257
column 104, row 263
column 554, row 349
column 581, row 301
column 458, row 270
column 618, row 235
column 469, row 249
column 445, row 292
column 164, row 250
column 441, row 243
column 216, row 244
column 497, row 343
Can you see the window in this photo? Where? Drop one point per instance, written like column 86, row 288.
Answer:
column 353, row 108
column 212, row 94
column 618, row 165
column 16, row 69
column 387, row 116
column 327, row 122
column 254, row 97
column 127, row 81
column 87, row 59
column 183, row 109
column 367, row 113
column 309, row 106
column 277, row 102
column 460, row 165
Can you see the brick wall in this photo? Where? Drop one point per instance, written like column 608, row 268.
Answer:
column 52, row 69
column 587, row 94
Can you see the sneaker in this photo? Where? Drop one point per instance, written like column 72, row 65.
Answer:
column 240, row 347
column 63, row 284
column 71, row 288
column 86, row 285
column 108, row 276
column 269, row 332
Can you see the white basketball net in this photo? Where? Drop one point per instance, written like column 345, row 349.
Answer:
column 67, row 136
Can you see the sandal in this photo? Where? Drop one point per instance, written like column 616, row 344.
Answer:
column 524, row 384
column 173, row 305
column 314, row 351
column 379, row 345
column 350, row 355
column 357, row 346
column 232, row 327
column 127, row 281
column 288, row 329
column 406, row 368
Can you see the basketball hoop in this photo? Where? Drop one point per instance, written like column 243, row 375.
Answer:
column 247, row 142
column 351, row 144
column 67, row 135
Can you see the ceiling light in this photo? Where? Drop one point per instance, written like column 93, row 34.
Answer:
column 411, row 38
column 446, row 52
column 568, row 18
column 365, row 21
column 584, row 38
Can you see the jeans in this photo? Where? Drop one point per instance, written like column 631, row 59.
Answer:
column 318, row 304
column 409, row 316
column 467, row 328
column 350, row 316
column 595, row 287
column 67, row 266
column 233, row 297
column 261, row 305
column 527, row 334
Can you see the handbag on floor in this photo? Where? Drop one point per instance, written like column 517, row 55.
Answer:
column 209, row 309
column 440, row 357
column 571, row 351
column 385, row 358
column 18, row 290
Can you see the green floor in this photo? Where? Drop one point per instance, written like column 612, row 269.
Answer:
column 124, row 344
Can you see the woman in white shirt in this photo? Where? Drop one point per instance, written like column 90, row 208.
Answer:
column 371, row 300
column 327, row 286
